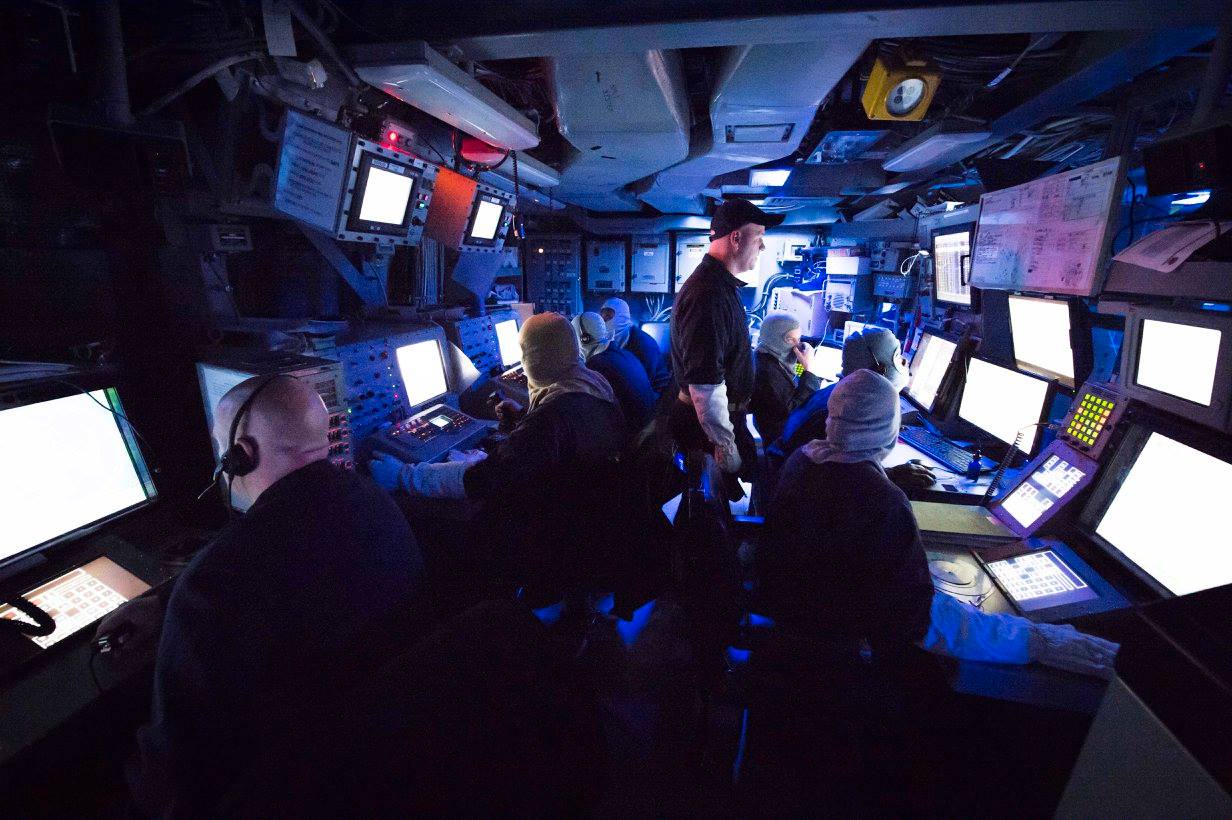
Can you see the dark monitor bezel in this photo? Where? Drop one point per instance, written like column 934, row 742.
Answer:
column 1081, row 354
column 1218, row 414
column 43, row 392
column 950, row 230
column 356, row 225
column 1112, row 475
column 1049, row 393
column 468, row 237
column 948, row 368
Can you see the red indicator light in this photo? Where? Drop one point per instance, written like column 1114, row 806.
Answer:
column 393, row 136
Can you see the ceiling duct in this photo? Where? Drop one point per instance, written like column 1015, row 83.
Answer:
column 763, row 103
column 627, row 116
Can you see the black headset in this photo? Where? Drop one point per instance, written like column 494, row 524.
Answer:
column 236, row 461
column 878, row 368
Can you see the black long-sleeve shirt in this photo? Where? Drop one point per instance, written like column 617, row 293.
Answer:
column 844, row 560
column 710, row 332
column 776, row 394
column 265, row 623
column 548, row 493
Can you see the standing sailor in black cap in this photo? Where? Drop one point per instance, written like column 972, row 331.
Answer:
column 711, row 355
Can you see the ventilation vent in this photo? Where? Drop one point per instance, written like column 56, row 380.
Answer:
column 779, row 132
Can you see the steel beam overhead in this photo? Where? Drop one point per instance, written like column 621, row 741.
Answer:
column 869, row 24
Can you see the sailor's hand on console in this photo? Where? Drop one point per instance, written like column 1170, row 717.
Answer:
column 911, row 476
column 509, row 412
column 387, row 471
column 128, row 636
column 467, row 457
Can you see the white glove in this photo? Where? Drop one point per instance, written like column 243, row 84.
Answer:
column 429, row 480
column 1064, row 647
column 438, row 480
column 961, row 631
column 468, row 457
column 710, row 404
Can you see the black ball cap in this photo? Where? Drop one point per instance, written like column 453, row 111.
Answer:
column 734, row 214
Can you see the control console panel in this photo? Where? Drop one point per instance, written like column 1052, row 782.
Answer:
column 514, row 385
column 1092, row 418
column 374, row 394
column 475, row 336
column 429, row 435
column 554, row 273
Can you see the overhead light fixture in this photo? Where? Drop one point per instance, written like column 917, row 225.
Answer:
column 768, row 177
column 933, row 146
column 530, row 172
column 758, row 202
column 1193, row 198
column 419, row 76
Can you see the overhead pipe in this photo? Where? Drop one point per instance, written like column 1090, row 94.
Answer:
column 116, row 105
column 1216, row 81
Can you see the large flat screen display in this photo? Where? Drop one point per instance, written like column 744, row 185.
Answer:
column 1178, row 359
column 68, row 463
column 952, row 267
column 928, row 367
column 1003, row 403
column 1041, row 332
column 1169, row 516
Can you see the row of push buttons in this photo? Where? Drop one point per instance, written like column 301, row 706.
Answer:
column 1090, row 419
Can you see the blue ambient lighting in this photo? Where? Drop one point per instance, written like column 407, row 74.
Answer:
column 1193, row 198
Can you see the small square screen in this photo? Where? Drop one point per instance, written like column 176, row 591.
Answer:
column 386, row 195
column 1040, row 580
column 487, row 219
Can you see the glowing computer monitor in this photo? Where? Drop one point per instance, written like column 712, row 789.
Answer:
column 1004, row 403
column 1161, row 508
column 929, row 365
column 422, row 368
column 69, row 464
column 383, row 189
column 507, row 340
column 1041, row 333
column 485, row 222
column 1180, row 361
column 951, row 253
column 851, row 328
column 827, row 363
